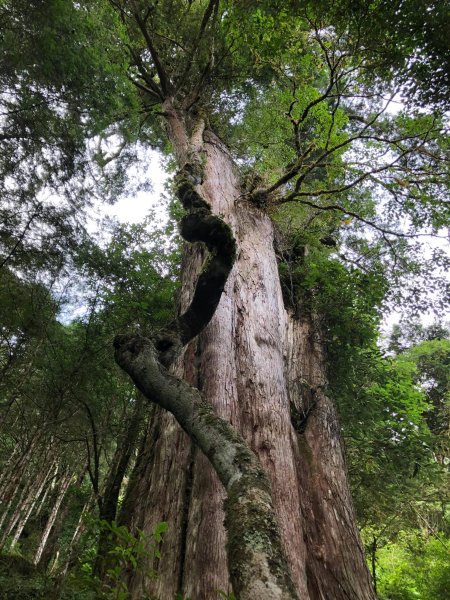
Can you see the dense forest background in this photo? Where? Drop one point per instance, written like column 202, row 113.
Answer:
column 75, row 132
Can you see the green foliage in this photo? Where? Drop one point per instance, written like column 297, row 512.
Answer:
column 133, row 277
column 414, row 567
column 26, row 311
column 20, row 580
column 128, row 552
column 64, row 95
column 299, row 94
column 80, row 64
column 392, row 409
column 403, row 40
column 397, row 447
column 317, row 281
column 226, row 596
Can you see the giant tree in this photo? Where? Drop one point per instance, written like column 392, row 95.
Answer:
column 270, row 111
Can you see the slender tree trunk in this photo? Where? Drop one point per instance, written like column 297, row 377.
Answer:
column 27, row 507
column 63, row 487
column 26, row 492
column 16, row 498
column 15, row 472
column 6, row 467
column 42, row 501
column 78, row 532
column 373, row 561
column 49, row 550
column 119, row 465
column 241, row 363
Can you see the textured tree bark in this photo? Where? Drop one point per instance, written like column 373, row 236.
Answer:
column 256, row 559
column 335, row 562
column 241, row 363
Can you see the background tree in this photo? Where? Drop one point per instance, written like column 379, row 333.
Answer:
column 408, row 515
column 298, row 98
column 71, row 426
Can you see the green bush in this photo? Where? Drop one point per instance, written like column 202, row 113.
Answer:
column 21, row 580
column 414, row 568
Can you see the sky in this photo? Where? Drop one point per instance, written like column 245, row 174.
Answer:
column 135, row 209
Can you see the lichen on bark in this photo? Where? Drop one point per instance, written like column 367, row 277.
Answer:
column 256, row 559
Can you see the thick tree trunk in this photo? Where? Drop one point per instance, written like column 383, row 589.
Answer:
column 335, row 563
column 241, row 363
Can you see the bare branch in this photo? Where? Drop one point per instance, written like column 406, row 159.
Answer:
column 192, row 98
column 166, row 85
column 151, row 92
column 212, row 7
column 146, row 76
column 345, row 211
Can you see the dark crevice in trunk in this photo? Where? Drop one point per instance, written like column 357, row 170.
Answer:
column 300, row 414
column 335, row 563
column 185, row 521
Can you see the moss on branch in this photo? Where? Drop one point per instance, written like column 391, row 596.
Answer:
column 256, row 559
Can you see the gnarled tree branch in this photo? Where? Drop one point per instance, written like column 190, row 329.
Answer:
column 257, row 564
column 255, row 556
column 199, row 225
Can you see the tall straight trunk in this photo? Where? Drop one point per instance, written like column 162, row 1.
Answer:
column 16, row 499
column 75, row 539
column 15, row 470
column 49, row 550
column 26, row 496
column 63, row 487
column 6, row 467
column 110, row 497
column 28, row 506
column 42, row 500
column 242, row 364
